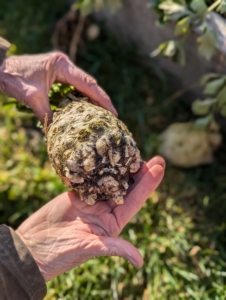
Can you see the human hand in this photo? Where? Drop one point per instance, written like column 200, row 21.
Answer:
column 28, row 78
column 66, row 232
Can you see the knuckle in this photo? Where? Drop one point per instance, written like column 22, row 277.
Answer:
column 9, row 65
column 58, row 58
column 90, row 81
column 59, row 55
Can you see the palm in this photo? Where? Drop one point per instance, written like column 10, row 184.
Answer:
column 67, row 232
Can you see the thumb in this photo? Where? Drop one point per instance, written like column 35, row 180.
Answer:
column 111, row 246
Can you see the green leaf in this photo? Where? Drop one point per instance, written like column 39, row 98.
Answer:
column 167, row 49
column 173, row 11
column 214, row 5
column 199, row 6
column 205, row 78
column 221, row 97
column 201, row 108
column 169, row 277
column 173, row 49
column 207, row 43
column 170, row 49
column 182, row 26
column 214, row 86
column 222, row 7
column 159, row 50
column 202, row 123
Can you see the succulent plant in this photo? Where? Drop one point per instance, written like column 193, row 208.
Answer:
column 91, row 150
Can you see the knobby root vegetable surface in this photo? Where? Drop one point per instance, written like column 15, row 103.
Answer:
column 91, row 150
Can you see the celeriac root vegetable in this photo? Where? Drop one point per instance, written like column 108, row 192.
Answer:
column 185, row 146
column 91, row 150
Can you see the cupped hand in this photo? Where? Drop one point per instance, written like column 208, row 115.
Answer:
column 66, row 232
column 28, row 78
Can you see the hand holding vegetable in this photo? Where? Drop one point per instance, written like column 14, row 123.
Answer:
column 28, row 78
column 67, row 232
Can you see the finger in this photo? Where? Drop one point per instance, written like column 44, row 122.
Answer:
column 41, row 108
column 110, row 246
column 135, row 199
column 157, row 160
column 88, row 86
column 68, row 73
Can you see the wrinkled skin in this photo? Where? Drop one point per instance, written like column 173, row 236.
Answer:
column 67, row 232
column 28, row 78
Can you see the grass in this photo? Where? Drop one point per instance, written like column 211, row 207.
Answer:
column 180, row 231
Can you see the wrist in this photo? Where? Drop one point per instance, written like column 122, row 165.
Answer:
column 29, row 247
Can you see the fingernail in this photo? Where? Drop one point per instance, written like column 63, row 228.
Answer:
column 157, row 171
column 134, row 263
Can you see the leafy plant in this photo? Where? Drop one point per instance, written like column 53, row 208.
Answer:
column 27, row 179
column 188, row 16
column 213, row 102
